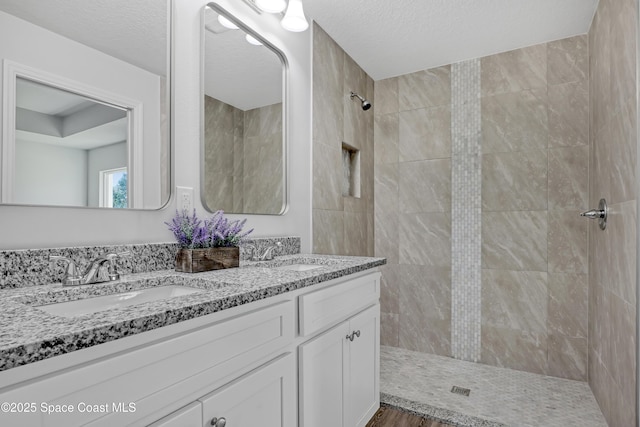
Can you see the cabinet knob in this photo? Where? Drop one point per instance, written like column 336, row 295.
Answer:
column 350, row 337
column 218, row 422
column 357, row 333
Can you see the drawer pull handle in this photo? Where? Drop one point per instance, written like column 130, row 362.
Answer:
column 353, row 335
column 218, row 422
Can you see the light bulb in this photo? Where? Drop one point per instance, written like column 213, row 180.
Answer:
column 226, row 23
column 252, row 40
column 294, row 20
column 272, row 6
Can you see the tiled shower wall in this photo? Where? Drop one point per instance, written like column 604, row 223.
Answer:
column 534, row 145
column 341, row 225
column 612, row 252
column 243, row 154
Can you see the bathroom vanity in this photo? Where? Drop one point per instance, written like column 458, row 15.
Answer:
column 291, row 342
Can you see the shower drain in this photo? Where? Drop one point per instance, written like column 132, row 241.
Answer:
column 460, row 390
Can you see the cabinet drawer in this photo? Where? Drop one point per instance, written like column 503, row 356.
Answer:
column 152, row 376
column 264, row 397
column 327, row 306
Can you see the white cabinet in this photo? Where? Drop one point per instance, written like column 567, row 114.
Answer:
column 238, row 364
column 339, row 373
column 264, row 397
column 189, row 416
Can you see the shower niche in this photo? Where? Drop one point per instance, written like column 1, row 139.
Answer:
column 350, row 171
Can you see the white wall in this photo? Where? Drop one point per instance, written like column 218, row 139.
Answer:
column 43, row 50
column 80, row 226
column 46, row 174
column 112, row 156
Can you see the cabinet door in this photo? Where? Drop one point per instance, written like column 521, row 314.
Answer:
column 264, row 397
column 321, row 371
column 362, row 384
column 189, row 416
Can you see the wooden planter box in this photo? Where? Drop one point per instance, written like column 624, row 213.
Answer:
column 199, row 260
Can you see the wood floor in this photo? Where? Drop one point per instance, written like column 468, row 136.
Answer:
column 389, row 417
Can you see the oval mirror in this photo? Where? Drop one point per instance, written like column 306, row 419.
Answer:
column 243, row 151
column 85, row 121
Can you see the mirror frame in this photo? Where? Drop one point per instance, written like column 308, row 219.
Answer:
column 285, row 107
column 13, row 70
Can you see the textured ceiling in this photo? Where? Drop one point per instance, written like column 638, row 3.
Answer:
column 134, row 31
column 385, row 37
column 393, row 37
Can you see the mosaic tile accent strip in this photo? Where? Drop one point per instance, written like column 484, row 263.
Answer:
column 466, row 210
column 420, row 383
column 31, row 267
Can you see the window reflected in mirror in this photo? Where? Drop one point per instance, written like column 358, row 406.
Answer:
column 243, row 165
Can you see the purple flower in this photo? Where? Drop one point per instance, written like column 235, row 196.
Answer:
column 217, row 231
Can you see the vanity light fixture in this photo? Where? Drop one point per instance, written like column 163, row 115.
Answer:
column 252, row 40
column 271, row 6
column 294, row 19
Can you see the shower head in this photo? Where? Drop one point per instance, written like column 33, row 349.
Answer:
column 365, row 104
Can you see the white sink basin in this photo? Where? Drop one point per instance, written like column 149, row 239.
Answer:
column 107, row 302
column 300, row 267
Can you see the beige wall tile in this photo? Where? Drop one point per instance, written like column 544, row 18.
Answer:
column 425, row 290
column 425, row 239
column 568, row 242
column 569, row 114
column 327, row 177
column 390, row 283
column 624, row 16
column 425, row 186
column 389, row 329
column 525, row 351
column 623, row 351
column 622, row 154
column 568, row 305
column 514, row 240
column 569, row 178
column 568, row 60
column 387, row 236
column 386, row 96
column 356, row 120
column 514, row 181
column 617, row 255
column 425, row 134
column 568, row 357
column 386, row 135
column 327, row 225
column 424, row 334
column 514, row 71
column 515, row 300
column 427, row 88
column 328, row 101
column 355, row 234
column 515, row 121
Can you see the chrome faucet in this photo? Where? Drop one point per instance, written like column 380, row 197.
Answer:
column 73, row 278
column 266, row 255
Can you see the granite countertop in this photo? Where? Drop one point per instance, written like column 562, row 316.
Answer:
column 28, row 334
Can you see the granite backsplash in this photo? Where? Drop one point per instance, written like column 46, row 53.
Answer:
column 31, row 267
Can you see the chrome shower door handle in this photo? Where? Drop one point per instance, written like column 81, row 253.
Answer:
column 600, row 214
column 593, row 214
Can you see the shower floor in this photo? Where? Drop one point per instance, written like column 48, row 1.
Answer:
column 421, row 383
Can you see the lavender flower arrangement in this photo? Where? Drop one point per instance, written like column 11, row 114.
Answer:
column 214, row 232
